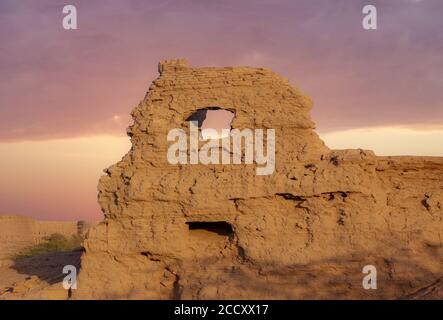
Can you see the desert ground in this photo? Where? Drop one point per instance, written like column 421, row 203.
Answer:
column 33, row 254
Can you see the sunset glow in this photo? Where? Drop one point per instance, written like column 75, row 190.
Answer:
column 66, row 98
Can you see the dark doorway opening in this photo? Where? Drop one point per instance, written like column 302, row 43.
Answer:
column 222, row 228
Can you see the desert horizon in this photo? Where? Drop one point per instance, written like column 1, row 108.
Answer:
column 384, row 141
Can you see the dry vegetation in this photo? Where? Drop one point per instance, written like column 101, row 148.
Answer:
column 53, row 243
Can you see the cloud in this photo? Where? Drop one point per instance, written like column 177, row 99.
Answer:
column 389, row 141
column 70, row 83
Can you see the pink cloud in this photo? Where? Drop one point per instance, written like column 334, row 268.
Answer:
column 70, row 83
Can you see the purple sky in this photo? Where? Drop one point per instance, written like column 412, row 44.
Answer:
column 63, row 93
column 59, row 83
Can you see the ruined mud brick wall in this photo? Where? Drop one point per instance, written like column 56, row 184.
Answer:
column 18, row 232
column 306, row 231
column 15, row 234
column 43, row 229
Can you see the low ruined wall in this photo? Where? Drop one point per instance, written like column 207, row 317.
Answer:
column 17, row 232
column 43, row 229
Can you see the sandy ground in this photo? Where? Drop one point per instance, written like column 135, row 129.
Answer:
column 28, row 277
column 9, row 276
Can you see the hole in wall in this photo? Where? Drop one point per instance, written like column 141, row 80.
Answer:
column 221, row 228
column 214, row 122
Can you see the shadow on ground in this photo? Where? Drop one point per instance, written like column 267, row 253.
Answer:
column 49, row 266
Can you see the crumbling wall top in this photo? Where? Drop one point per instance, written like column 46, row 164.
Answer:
column 172, row 65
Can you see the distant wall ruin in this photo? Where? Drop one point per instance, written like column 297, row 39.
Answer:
column 18, row 232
